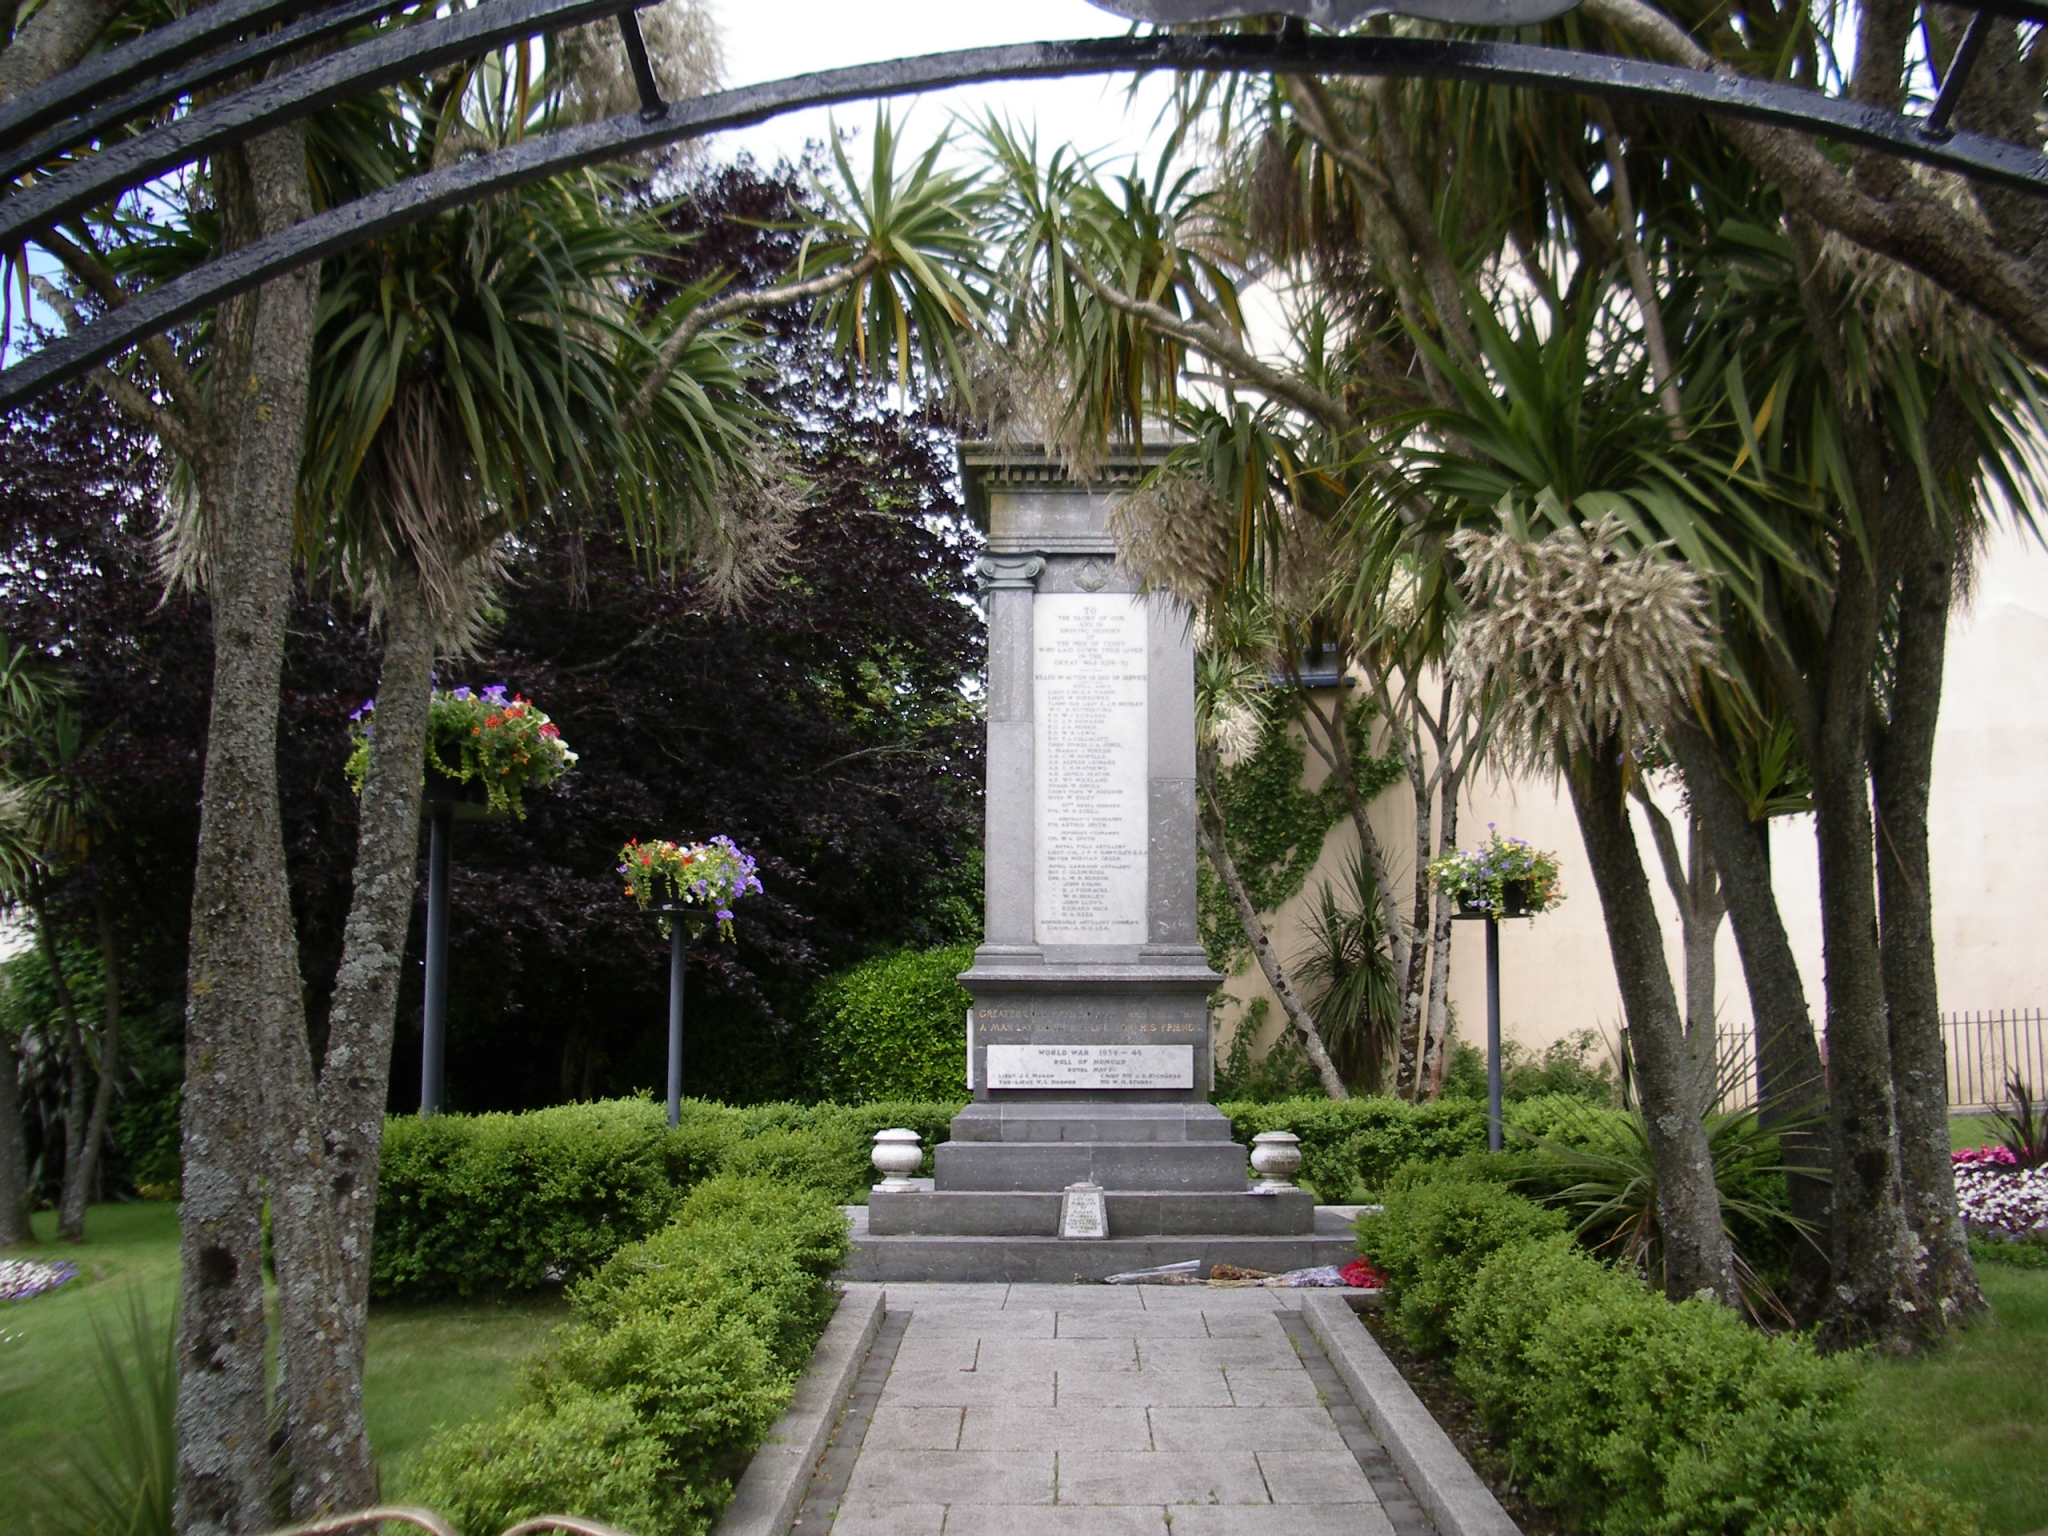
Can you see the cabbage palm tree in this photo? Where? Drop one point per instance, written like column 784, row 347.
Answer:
column 471, row 374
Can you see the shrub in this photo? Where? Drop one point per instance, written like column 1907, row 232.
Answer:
column 1898, row 1506
column 1569, row 1121
column 1630, row 1415
column 577, row 1451
column 685, row 1351
column 487, row 1204
column 1432, row 1238
column 2021, row 1253
column 829, row 1158
column 1352, row 1146
column 1577, row 1065
column 1282, row 1072
column 894, row 1027
column 1598, row 1163
column 1635, row 1415
column 470, row 1204
column 741, row 1243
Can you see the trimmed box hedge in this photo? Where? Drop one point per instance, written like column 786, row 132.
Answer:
column 1352, row 1147
column 1629, row 1414
column 472, row 1205
column 686, row 1348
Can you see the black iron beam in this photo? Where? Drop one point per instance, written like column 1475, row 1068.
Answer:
column 152, row 53
column 93, row 121
column 644, row 83
column 196, row 292
column 395, row 55
column 2016, row 10
column 1950, row 96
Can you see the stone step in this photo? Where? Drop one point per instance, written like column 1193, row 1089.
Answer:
column 1067, row 1120
column 1132, row 1213
column 1024, row 1260
column 1050, row 1166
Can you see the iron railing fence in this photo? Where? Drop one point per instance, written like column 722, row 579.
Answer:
column 1987, row 1050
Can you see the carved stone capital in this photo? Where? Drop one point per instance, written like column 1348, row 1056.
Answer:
column 1000, row 573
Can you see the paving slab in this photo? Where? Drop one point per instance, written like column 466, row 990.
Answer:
column 1061, row 1410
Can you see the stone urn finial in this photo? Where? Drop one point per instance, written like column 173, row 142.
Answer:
column 1276, row 1158
column 897, row 1157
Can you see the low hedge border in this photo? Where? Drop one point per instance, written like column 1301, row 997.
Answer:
column 686, row 1349
column 1350, row 1147
column 1627, row 1413
column 471, row 1205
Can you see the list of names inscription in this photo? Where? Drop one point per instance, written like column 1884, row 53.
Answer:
column 1089, row 694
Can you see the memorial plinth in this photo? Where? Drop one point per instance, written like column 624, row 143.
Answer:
column 1088, row 1048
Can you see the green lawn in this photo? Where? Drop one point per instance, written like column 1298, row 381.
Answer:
column 1973, row 1419
column 1971, row 1130
column 428, row 1365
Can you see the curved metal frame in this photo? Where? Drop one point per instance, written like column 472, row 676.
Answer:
column 19, row 156
column 392, row 56
column 398, row 53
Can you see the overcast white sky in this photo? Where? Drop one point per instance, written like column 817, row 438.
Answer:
column 770, row 39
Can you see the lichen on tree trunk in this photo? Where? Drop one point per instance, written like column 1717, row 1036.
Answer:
column 1874, row 1294
column 1903, row 769
column 242, row 980
column 325, row 1150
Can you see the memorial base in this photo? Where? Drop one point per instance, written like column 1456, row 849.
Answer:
column 1168, row 1174
column 1132, row 1213
column 1027, row 1260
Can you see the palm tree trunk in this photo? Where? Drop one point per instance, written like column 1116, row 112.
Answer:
column 1695, row 887
column 1903, row 768
column 324, row 1180
column 14, row 1224
column 71, row 1201
column 1209, row 827
column 1874, row 1294
column 1415, row 978
column 1697, row 1255
column 1792, row 1084
column 79, row 1181
column 1430, row 1081
column 242, row 976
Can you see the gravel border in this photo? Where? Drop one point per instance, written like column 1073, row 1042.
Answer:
column 1458, row 1502
column 767, row 1499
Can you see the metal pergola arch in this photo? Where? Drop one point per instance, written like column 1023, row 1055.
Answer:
column 234, row 35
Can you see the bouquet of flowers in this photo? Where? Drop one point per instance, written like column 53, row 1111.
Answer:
column 1479, row 877
column 488, row 737
column 712, row 875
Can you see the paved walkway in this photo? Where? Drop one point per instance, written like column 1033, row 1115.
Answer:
column 1044, row 1410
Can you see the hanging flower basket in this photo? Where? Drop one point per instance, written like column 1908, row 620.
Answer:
column 696, row 882
column 485, row 749
column 1506, row 878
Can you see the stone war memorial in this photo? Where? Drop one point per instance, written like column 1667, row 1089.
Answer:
column 1090, row 1146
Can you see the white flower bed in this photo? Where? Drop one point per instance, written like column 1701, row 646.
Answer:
column 1999, row 1200
column 23, row 1278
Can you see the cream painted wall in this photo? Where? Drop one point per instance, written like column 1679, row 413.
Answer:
column 1988, row 822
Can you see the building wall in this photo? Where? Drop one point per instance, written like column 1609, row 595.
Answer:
column 1988, row 824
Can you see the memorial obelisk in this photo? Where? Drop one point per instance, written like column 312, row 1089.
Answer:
column 1088, row 1051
